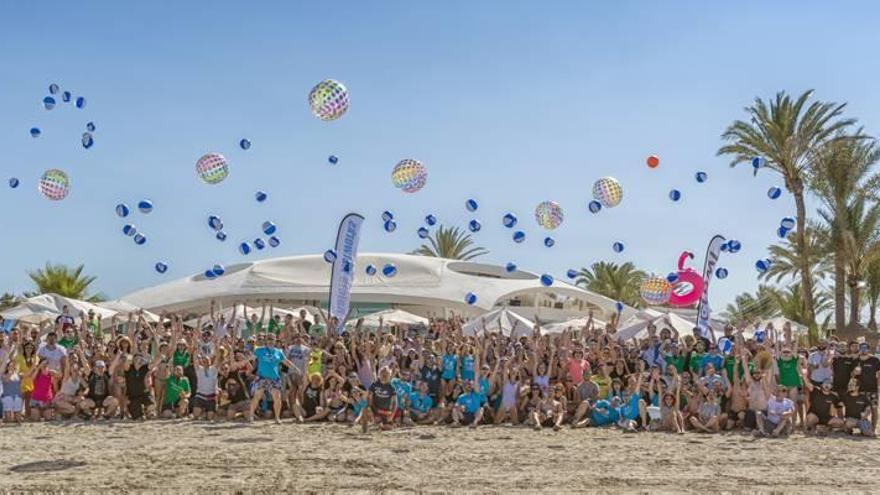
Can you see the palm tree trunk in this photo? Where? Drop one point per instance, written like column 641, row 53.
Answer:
column 855, row 300
column 872, row 322
column 806, row 272
column 839, row 290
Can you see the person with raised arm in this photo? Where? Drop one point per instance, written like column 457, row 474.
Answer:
column 269, row 360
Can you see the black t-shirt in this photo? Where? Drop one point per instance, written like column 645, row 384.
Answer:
column 99, row 387
column 135, row 383
column 311, row 398
column 431, row 376
column 235, row 388
column 855, row 405
column 868, row 378
column 383, row 394
column 821, row 403
column 842, row 367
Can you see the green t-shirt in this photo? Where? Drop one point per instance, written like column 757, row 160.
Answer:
column 174, row 387
column 788, row 372
column 253, row 328
column 274, row 326
column 68, row 342
column 694, row 362
column 180, row 358
column 677, row 361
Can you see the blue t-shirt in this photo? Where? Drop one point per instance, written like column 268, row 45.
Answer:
column 420, row 403
column 608, row 416
column 268, row 361
column 467, row 368
column 483, row 388
column 402, row 389
column 359, row 406
column 449, row 363
column 470, row 402
column 715, row 360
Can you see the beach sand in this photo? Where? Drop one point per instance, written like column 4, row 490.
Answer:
column 185, row 456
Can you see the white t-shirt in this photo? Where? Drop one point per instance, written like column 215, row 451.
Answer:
column 776, row 408
column 221, row 329
column 299, row 355
column 53, row 357
column 206, row 380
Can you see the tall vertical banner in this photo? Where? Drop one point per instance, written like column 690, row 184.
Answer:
column 703, row 310
column 342, row 275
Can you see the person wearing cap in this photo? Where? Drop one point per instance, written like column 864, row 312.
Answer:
column 780, row 415
column 98, row 402
column 822, row 407
column 869, row 367
column 269, row 360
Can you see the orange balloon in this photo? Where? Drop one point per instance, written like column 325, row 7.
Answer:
column 653, row 161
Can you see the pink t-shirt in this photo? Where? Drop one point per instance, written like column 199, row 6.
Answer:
column 43, row 388
column 576, row 369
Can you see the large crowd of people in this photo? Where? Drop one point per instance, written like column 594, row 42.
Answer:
column 78, row 368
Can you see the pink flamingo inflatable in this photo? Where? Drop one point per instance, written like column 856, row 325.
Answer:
column 688, row 288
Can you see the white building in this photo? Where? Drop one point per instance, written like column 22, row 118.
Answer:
column 423, row 285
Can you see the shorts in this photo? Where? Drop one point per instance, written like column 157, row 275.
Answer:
column 267, row 384
column 12, row 404
column 750, row 421
column 207, row 403
column 468, row 417
column 39, row 404
column 770, row 425
column 385, row 415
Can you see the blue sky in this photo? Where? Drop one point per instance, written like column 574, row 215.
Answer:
column 510, row 103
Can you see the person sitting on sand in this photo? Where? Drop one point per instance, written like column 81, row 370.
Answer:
column 177, row 393
column 779, row 419
column 382, row 403
column 468, row 407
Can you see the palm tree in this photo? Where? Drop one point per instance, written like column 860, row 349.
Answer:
column 872, row 280
column 7, row 300
column 786, row 258
column 787, row 135
column 842, row 171
column 861, row 246
column 452, row 243
column 747, row 307
column 791, row 303
column 618, row 282
column 64, row 281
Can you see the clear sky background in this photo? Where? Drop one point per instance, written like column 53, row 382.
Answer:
column 507, row 102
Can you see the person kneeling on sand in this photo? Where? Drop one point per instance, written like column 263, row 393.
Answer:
column 822, row 412
column 382, row 403
column 780, row 413
column 468, row 408
column 98, row 402
column 177, row 392
column 857, row 409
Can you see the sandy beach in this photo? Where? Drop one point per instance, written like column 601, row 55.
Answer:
column 175, row 457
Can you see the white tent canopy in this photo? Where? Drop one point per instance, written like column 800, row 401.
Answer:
column 243, row 313
column 500, row 320
column 572, row 324
column 637, row 326
column 777, row 322
column 390, row 317
column 47, row 307
column 124, row 307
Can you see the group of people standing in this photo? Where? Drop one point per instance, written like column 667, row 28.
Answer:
column 290, row 368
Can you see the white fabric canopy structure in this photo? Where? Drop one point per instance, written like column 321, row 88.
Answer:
column 778, row 322
column 500, row 320
column 124, row 307
column 572, row 324
column 243, row 313
column 47, row 307
column 390, row 317
column 637, row 326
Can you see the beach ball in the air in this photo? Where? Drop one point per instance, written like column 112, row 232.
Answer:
column 35, row 132
column 672, row 277
column 509, row 220
column 259, row 244
column 655, row 290
column 571, row 273
column 675, row 195
column 617, row 247
column 595, row 206
column 409, row 175
column 758, row 162
column 370, row 270
column 330, row 256
column 788, row 223
column 218, row 270
column 653, row 161
column 721, row 273
column 608, row 192
column 546, row 280
column 215, row 223
column 54, row 184
column 244, row 248
column 145, row 206
column 549, row 242
column 471, row 205
column 549, row 214
column 333, row 159
column 122, row 210
column 140, row 239
column 13, row 182
column 519, row 236
column 389, row 270
column 423, row 232
column 161, row 267
column 762, row 265
column 510, row 267
column 475, row 225
column 328, row 100
column 470, row 298
column 387, row 216
column 431, row 220
column 701, row 177
column 274, row 242
column 390, row 226
column 774, row 192
column 129, row 230
column 245, row 144
column 261, row 196
column 221, row 236
column 212, row 168
column 269, row 228
column 48, row 103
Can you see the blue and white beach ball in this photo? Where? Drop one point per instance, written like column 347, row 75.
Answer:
column 672, row 277
column 549, row 242
column 387, row 216
column 617, row 247
column 470, row 298
column 721, row 273
column 509, row 220
column 725, row 345
column 13, row 182
column 774, row 192
column 762, row 265
column 210, row 274
column 475, row 225
column 274, row 242
column 675, row 195
column 245, row 144
column 35, row 132
column 218, row 270
column 782, row 232
column 88, row 140
column 122, row 210
column 140, row 239
column 471, row 205
column 430, row 220
column 145, row 206
column 389, row 270
column 390, row 226
column 215, row 223
column 48, row 103
column 244, row 248
column 371, row 270
column 571, row 273
column 261, row 196
column 54, row 89
column 788, row 223
column 423, row 232
column 161, row 267
column 733, row 246
column 701, row 177
column 259, row 244
column 546, row 280
column 221, row 236
column 758, row 162
column 330, row 256
column 66, row 96
column 333, row 159
column 80, row 102
column 510, row 267
column 91, row 127
column 269, row 228
column 519, row 236
column 760, row 336
column 129, row 230
column 595, row 206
